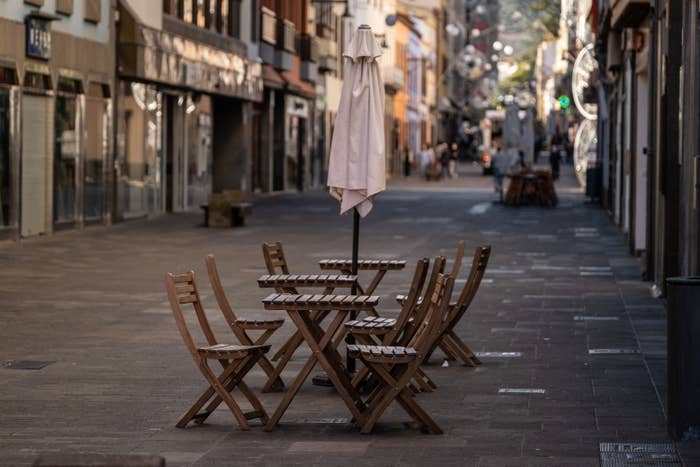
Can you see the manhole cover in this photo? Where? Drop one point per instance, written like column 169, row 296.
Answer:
column 649, row 454
column 25, row 364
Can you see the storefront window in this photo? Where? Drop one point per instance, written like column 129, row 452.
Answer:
column 97, row 131
column 4, row 158
column 139, row 151
column 66, row 153
column 199, row 167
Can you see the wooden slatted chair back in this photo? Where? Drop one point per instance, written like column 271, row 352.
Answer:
column 409, row 304
column 437, row 310
column 476, row 274
column 457, row 265
column 182, row 291
column 438, row 268
column 274, row 258
column 218, row 288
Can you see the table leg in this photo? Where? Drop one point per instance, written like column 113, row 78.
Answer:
column 329, row 359
column 291, row 393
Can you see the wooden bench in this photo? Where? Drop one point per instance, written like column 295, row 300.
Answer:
column 238, row 213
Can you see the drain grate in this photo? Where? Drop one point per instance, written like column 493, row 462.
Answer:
column 25, row 364
column 648, row 454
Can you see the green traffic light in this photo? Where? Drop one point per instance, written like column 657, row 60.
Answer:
column 564, row 102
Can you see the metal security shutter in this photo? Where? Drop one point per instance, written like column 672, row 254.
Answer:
column 37, row 128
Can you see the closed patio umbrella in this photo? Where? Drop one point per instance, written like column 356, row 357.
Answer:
column 356, row 170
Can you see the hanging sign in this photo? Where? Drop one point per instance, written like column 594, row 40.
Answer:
column 38, row 39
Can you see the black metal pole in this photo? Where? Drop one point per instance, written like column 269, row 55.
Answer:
column 349, row 338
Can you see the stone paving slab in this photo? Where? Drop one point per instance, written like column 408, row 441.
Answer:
column 93, row 303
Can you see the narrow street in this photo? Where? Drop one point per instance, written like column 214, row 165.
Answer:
column 561, row 296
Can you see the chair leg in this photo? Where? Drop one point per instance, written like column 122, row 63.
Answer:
column 234, row 380
column 389, row 389
column 411, row 406
column 424, row 380
column 224, row 394
column 461, row 345
column 277, row 384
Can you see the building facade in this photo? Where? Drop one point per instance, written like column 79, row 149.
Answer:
column 56, row 88
column 186, row 89
column 648, row 129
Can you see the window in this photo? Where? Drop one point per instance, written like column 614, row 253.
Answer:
column 201, row 14
column 185, row 8
column 93, row 11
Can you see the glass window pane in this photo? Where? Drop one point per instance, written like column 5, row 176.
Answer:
column 201, row 17
column 66, row 152
column 4, row 158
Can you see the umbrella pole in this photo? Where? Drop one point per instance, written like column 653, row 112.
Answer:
column 349, row 338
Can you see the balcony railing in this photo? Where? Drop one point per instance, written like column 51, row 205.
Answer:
column 269, row 26
column 308, row 47
column 285, row 35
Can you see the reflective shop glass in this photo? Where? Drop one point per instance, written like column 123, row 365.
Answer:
column 4, row 158
column 97, row 131
column 66, row 156
column 139, row 151
column 199, row 154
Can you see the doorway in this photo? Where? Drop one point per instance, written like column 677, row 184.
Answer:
column 37, row 135
column 175, row 144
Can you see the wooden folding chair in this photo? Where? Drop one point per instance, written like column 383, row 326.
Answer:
column 236, row 360
column 450, row 342
column 240, row 327
column 395, row 366
column 386, row 331
column 277, row 264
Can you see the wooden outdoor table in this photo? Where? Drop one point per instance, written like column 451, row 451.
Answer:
column 380, row 266
column 299, row 307
column 288, row 283
column 529, row 187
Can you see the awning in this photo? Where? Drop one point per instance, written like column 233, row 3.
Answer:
column 175, row 59
column 297, row 86
column 271, row 78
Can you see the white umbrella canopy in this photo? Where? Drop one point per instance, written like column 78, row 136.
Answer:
column 356, row 170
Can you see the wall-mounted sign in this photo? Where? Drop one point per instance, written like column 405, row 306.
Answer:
column 38, row 39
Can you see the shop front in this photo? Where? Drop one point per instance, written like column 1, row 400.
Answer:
column 182, row 120
column 54, row 144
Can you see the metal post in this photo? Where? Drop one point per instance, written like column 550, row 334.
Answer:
column 349, row 338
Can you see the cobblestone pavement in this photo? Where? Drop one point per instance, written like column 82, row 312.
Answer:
column 559, row 286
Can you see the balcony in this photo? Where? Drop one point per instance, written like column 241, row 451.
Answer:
column 327, row 55
column 393, row 78
column 628, row 13
column 269, row 23
column 308, row 46
column 285, row 35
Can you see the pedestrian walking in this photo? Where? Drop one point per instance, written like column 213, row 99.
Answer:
column 424, row 160
column 407, row 161
column 498, row 168
column 444, row 160
column 556, row 146
column 454, row 155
